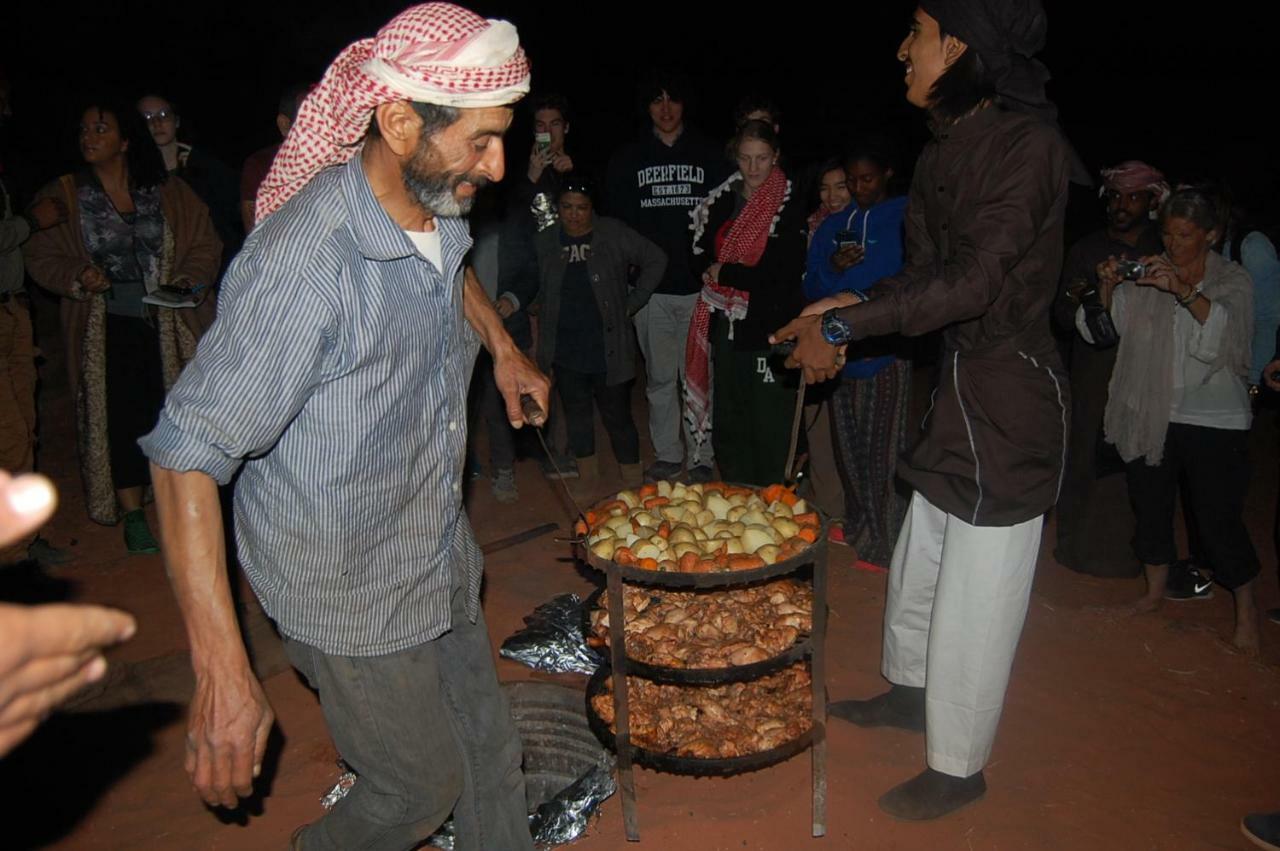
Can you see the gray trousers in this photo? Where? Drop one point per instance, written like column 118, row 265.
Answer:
column 662, row 327
column 957, row 600
column 430, row 733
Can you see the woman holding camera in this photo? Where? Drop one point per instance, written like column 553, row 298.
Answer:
column 1179, row 398
column 132, row 230
column 852, row 250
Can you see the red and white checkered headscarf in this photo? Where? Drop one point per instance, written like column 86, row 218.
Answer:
column 433, row 53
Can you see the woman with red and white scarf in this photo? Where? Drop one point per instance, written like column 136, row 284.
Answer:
column 749, row 238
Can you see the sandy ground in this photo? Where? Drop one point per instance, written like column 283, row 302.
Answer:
column 1117, row 733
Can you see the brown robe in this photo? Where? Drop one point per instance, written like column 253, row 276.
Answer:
column 984, row 249
column 55, row 258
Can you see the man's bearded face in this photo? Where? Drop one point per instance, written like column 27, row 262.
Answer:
column 440, row 192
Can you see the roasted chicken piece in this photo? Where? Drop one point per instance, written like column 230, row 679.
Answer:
column 715, row 722
column 710, row 629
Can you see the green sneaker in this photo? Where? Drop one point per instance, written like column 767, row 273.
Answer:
column 137, row 535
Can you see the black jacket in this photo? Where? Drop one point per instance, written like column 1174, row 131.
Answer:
column 615, row 248
column 775, row 283
column 653, row 187
column 984, row 251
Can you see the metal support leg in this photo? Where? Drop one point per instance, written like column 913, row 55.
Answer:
column 818, row 673
column 621, row 704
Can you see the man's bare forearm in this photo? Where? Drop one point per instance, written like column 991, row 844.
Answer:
column 196, row 559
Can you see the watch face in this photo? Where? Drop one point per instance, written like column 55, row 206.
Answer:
column 835, row 330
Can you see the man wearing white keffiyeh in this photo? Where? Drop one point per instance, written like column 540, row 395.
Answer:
column 336, row 377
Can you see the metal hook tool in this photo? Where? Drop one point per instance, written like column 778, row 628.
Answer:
column 533, row 413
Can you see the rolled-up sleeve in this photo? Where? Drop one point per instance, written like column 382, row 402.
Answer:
column 251, row 376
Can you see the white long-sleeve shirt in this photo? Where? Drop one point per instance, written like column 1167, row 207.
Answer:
column 1222, row 401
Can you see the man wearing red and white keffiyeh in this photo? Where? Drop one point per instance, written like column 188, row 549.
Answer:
column 336, row 374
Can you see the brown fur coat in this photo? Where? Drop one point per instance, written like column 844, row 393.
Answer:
column 56, row 257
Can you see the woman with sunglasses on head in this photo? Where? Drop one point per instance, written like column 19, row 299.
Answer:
column 132, row 229
column 585, row 307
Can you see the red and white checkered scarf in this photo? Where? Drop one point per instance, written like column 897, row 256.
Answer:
column 744, row 243
column 435, row 53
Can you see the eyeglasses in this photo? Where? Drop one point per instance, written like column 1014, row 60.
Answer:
column 159, row 115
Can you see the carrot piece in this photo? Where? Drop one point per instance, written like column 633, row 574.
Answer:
column 648, row 490
column 788, row 498
column 664, row 529
column 704, row 565
column 689, row 563
column 808, row 533
column 771, row 494
column 655, row 501
column 580, row 528
column 809, row 519
column 591, row 517
column 623, row 555
column 614, row 505
column 745, row 561
column 647, row 564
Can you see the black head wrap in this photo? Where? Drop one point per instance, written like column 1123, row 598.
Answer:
column 1007, row 34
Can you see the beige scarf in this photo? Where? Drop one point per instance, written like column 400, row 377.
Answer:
column 1141, row 391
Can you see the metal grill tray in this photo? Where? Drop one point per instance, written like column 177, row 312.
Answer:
column 689, row 765
column 702, row 676
column 671, row 579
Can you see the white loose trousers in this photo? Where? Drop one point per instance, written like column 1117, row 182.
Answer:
column 956, row 603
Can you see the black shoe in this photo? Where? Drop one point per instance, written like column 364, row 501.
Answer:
column 663, row 470
column 1262, row 829
column 701, row 474
column 900, row 706
column 565, row 467
column 932, row 794
column 1187, row 582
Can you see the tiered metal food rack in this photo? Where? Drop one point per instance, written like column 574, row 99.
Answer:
column 814, row 647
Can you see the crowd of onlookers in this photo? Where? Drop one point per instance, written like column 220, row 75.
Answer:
column 676, row 263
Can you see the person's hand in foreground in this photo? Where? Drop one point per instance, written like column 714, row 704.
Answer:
column 47, row 653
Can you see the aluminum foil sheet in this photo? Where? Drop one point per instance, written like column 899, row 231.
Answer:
column 568, row 815
column 552, row 639
column 561, row 820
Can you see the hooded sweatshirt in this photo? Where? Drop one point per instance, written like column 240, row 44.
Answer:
column 879, row 229
column 653, row 187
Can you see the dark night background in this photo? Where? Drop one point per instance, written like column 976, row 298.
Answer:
column 1189, row 92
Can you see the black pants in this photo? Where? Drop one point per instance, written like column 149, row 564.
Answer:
column 1216, row 463
column 577, row 389
column 135, row 395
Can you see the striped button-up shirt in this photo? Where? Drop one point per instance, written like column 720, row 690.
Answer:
column 336, row 375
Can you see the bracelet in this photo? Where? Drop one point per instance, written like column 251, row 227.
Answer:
column 1189, row 299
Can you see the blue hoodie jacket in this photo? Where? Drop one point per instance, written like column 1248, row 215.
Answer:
column 880, row 230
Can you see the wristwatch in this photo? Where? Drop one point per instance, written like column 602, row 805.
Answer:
column 835, row 330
